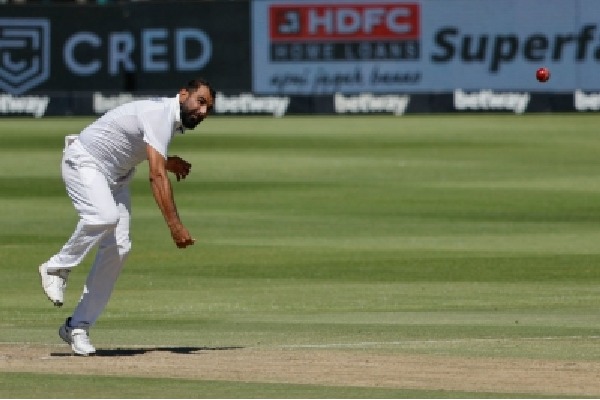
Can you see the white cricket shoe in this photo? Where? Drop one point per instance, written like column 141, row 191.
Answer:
column 54, row 283
column 78, row 338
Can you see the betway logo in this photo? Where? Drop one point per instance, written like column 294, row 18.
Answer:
column 488, row 100
column 367, row 103
column 103, row 103
column 32, row 105
column 247, row 103
column 587, row 102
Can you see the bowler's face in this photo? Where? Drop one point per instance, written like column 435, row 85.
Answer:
column 195, row 106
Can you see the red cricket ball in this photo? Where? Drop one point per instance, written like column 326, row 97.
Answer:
column 542, row 74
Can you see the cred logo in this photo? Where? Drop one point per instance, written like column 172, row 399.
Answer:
column 372, row 31
column 24, row 53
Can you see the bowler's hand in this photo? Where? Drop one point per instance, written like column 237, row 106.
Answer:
column 178, row 166
column 181, row 236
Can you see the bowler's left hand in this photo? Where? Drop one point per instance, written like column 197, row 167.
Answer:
column 178, row 166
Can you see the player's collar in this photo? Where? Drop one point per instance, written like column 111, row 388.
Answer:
column 178, row 126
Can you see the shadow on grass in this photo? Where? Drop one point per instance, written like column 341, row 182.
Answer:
column 120, row 352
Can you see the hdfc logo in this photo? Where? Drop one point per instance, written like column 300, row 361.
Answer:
column 342, row 32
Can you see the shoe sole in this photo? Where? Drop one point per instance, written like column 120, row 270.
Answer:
column 82, row 354
column 57, row 303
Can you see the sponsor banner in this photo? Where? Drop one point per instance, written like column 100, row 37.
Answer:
column 586, row 101
column 366, row 103
column 247, row 103
column 133, row 47
column 418, row 46
column 487, row 100
column 35, row 106
column 458, row 101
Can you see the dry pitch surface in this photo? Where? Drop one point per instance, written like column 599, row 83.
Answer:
column 332, row 367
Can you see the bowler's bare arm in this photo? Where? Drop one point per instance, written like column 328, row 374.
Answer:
column 163, row 194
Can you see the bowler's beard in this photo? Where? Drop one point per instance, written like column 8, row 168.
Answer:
column 188, row 119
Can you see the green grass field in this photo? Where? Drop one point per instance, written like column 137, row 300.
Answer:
column 472, row 236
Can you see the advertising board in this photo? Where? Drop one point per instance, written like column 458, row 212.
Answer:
column 389, row 46
column 131, row 47
column 280, row 57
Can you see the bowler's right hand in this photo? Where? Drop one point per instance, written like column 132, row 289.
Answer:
column 181, row 236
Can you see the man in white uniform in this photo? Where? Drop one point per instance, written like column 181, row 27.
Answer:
column 97, row 167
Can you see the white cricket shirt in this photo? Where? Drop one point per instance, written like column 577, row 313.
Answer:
column 118, row 139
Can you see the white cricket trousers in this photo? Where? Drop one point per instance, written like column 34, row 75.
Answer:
column 104, row 215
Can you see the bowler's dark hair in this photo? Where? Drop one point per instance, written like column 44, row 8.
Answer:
column 194, row 84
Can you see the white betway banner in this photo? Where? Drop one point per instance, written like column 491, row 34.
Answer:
column 350, row 46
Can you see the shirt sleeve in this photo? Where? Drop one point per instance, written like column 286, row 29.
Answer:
column 158, row 129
